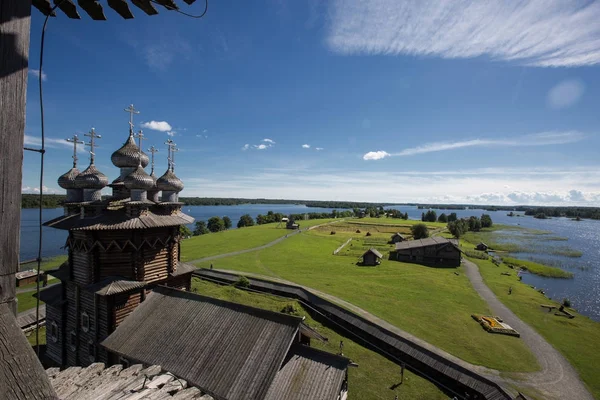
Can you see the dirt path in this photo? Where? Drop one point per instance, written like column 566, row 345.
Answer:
column 557, row 379
column 264, row 246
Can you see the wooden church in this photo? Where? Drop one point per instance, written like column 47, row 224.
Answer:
column 118, row 249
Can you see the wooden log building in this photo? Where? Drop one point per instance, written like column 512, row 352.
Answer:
column 371, row 257
column 30, row 276
column 437, row 251
column 118, row 250
column 397, row 237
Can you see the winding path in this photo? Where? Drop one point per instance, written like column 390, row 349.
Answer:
column 557, row 378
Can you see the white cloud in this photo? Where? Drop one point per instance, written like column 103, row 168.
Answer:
column 171, row 133
column 245, row 147
column 36, row 190
column 306, row 146
column 204, row 131
column 538, row 139
column 36, row 73
column 318, row 148
column 162, row 126
column 269, row 141
column 261, row 146
column 565, row 94
column 539, row 33
column 376, row 155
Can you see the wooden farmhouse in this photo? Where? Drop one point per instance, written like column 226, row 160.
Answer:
column 30, row 276
column 398, row 237
column 436, row 251
column 371, row 257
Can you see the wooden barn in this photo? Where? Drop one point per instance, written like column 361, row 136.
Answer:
column 371, row 257
column 30, row 276
column 397, row 238
column 436, row 251
column 291, row 224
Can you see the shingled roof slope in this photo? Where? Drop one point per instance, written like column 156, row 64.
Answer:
column 228, row 350
column 432, row 241
column 21, row 374
column 309, row 374
column 114, row 285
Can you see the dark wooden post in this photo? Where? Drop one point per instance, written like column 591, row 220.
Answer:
column 402, row 373
column 14, row 52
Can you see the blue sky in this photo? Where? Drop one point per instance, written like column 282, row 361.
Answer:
column 491, row 103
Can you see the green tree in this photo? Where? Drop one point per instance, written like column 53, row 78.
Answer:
column 486, row 221
column 245, row 220
column 458, row 228
column 452, row 217
column 419, row 231
column 227, row 222
column 215, row 224
column 442, row 218
column 201, row 228
column 474, row 224
column 185, row 231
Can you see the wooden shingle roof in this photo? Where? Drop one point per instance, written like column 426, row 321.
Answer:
column 374, row 251
column 21, row 374
column 432, row 241
column 114, row 285
column 118, row 219
column 52, row 295
column 309, row 374
column 228, row 350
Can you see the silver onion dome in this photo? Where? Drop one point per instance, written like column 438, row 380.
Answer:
column 129, row 155
column 169, row 182
column 67, row 180
column 91, row 178
column 139, row 179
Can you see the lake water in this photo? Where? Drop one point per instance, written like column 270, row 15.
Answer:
column 583, row 290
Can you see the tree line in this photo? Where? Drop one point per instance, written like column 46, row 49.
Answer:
column 461, row 226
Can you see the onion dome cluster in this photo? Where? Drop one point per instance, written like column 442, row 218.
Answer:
column 91, row 178
column 139, row 180
column 129, row 155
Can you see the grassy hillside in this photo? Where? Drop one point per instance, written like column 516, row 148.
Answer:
column 375, row 375
column 238, row 239
column 433, row 304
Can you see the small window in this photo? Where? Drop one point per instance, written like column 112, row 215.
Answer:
column 92, row 351
column 85, row 322
column 73, row 340
column 54, row 331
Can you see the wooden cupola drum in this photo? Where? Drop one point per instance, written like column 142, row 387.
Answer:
column 119, row 248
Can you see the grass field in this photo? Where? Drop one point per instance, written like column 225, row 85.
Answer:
column 238, row 239
column 577, row 339
column 375, row 374
column 537, row 268
column 25, row 301
column 433, row 304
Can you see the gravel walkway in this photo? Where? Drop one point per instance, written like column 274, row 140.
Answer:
column 557, row 378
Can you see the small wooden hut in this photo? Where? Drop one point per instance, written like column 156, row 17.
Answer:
column 30, row 276
column 371, row 257
column 397, row 238
column 482, row 247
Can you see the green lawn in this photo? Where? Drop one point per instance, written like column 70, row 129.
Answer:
column 577, row 339
column 537, row 268
column 25, row 301
column 375, row 374
column 433, row 304
column 238, row 239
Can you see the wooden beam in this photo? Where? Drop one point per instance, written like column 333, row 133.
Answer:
column 14, row 52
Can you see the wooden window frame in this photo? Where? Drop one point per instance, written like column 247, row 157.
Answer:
column 54, row 331
column 85, row 322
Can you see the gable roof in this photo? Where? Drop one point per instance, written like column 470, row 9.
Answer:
column 432, row 241
column 374, row 251
column 114, row 285
column 398, row 234
column 228, row 350
column 309, row 374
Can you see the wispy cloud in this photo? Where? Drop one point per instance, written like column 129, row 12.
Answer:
column 245, row 147
column 306, row 146
column 36, row 73
column 266, row 144
column 51, row 143
column 36, row 190
column 162, row 126
column 565, row 94
column 319, row 148
column 543, row 33
column 271, row 141
column 538, row 139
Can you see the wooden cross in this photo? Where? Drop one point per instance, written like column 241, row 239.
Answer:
column 75, row 140
column 152, row 150
column 92, row 135
column 140, row 136
column 174, row 150
column 131, row 111
column 170, row 144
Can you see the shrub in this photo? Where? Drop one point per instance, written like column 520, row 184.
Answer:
column 566, row 302
column 242, row 282
column 358, row 231
column 419, row 231
column 289, row 309
column 332, row 233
